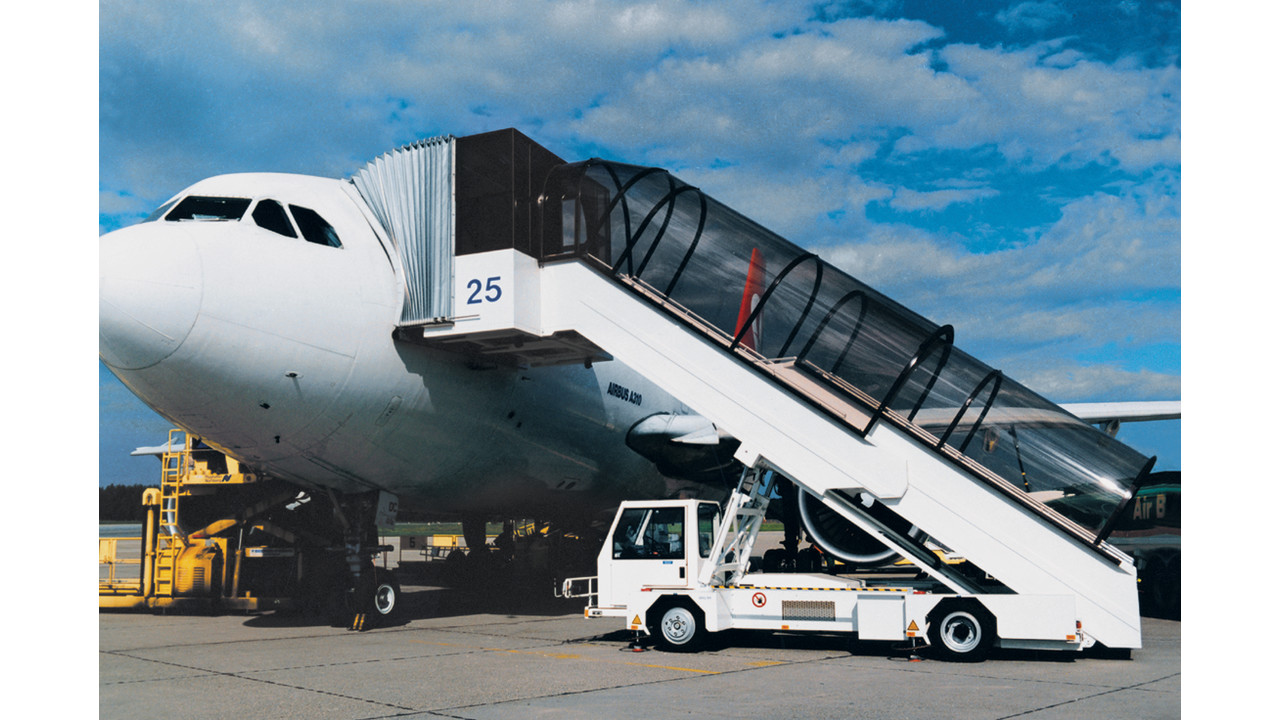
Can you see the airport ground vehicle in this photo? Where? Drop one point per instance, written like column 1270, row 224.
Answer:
column 220, row 538
column 678, row 570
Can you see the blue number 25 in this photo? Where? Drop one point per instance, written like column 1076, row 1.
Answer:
column 492, row 291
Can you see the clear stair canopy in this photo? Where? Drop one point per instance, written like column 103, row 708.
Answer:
column 770, row 301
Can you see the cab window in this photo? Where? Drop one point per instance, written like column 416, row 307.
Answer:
column 315, row 229
column 707, row 515
column 195, row 207
column 649, row 534
column 270, row 215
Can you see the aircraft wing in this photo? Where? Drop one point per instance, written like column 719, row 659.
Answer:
column 158, row 450
column 1106, row 412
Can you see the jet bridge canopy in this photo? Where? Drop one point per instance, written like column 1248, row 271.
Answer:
column 692, row 255
column 446, row 196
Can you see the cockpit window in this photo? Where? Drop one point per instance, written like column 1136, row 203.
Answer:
column 160, row 211
column 269, row 214
column 314, row 228
column 195, row 207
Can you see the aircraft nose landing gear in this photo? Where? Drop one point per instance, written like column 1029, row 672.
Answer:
column 374, row 600
column 373, row 595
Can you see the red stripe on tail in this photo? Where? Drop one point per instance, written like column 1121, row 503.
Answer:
column 750, row 297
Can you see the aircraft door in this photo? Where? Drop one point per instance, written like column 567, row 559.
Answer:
column 648, row 546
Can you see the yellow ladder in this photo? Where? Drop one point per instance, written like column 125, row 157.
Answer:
column 169, row 539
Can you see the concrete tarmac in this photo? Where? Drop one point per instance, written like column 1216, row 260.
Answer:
column 466, row 654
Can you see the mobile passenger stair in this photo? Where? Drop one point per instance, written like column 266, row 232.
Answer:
column 862, row 403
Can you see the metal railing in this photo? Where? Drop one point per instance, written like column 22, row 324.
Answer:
column 678, row 248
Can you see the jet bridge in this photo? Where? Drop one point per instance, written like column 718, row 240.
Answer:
column 865, row 405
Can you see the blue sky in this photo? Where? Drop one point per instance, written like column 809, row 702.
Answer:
column 1011, row 168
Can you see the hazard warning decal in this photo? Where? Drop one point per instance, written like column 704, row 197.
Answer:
column 758, row 599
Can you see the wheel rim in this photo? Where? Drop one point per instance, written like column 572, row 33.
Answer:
column 384, row 600
column 961, row 632
column 678, row 626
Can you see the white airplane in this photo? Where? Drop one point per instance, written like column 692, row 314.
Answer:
column 260, row 313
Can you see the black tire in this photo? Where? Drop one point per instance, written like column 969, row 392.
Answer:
column 810, row 560
column 454, row 570
column 678, row 627
column 386, row 595
column 961, row 630
column 772, row 560
column 778, row 560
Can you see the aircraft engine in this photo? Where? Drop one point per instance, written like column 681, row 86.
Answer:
column 847, row 541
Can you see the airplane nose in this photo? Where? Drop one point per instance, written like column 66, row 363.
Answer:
column 149, row 293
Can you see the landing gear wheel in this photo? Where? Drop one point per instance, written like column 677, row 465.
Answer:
column 772, row 560
column 386, row 595
column 779, row 560
column 810, row 560
column 961, row 631
column 681, row 629
column 375, row 603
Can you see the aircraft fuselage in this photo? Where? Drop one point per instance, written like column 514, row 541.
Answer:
column 279, row 350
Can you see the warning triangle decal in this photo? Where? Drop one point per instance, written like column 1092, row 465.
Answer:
column 913, row 627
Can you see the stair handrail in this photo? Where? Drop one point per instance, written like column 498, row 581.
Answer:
column 944, row 335
column 668, row 201
column 996, row 377
column 1125, row 507
column 764, row 299
column 863, row 306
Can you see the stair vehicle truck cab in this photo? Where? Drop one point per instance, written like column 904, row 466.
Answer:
column 678, row 570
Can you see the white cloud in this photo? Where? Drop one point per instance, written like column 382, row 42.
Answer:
column 1044, row 114
column 1103, row 280
column 798, row 123
column 355, row 79
column 1035, row 16
column 677, row 83
column 779, row 95
column 781, row 206
column 1108, row 242
column 908, row 200
column 1074, row 383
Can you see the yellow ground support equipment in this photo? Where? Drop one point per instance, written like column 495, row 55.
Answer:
column 200, row 570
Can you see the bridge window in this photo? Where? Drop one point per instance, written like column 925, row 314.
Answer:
column 315, row 229
column 195, row 207
column 270, row 215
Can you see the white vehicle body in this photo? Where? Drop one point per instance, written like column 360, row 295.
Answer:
column 664, row 576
